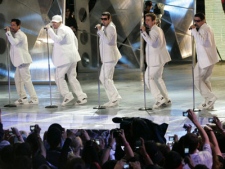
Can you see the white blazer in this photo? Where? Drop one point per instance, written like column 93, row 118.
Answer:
column 19, row 53
column 156, row 52
column 108, row 43
column 205, row 46
column 65, row 48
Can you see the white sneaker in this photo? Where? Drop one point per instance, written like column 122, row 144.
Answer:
column 211, row 102
column 111, row 103
column 33, row 101
column 202, row 106
column 80, row 102
column 205, row 107
column 67, row 100
column 208, row 105
column 159, row 103
column 168, row 102
column 21, row 101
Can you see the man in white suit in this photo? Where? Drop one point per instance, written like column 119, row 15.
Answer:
column 21, row 59
column 207, row 56
column 156, row 57
column 65, row 57
column 109, row 56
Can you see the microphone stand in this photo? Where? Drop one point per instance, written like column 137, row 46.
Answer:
column 145, row 108
column 8, row 72
column 98, row 67
column 49, row 75
column 193, row 81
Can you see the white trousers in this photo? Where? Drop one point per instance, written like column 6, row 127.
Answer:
column 22, row 78
column 106, row 78
column 70, row 70
column 155, row 83
column 202, row 81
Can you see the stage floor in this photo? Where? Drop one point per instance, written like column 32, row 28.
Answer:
column 178, row 79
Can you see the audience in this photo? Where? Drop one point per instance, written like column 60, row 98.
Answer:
column 115, row 149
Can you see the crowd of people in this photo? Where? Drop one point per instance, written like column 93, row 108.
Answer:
column 134, row 145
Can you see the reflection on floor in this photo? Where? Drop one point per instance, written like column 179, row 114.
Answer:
column 130, row 86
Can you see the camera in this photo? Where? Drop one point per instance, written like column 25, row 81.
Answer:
column 185, row 113
column 97, row 141
column 138, row 144
column 186, row 151
column 32, row 128
column 171, row 138
column 116, row 132
column 211, row 120
column 126, row 165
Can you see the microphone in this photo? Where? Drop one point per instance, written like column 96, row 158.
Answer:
column 191, row 27
column 99, row 24
column 47, row 27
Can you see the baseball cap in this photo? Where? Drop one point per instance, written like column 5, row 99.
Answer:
column 56, row 18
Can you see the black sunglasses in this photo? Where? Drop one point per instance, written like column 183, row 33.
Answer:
column 104, row 19
column 197, row 20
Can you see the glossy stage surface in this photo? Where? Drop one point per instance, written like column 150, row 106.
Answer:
column 178, row 79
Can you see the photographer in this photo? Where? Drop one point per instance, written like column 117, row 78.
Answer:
column 37, row 147
column 217, row 155
column 3, row 142
column 191, row 142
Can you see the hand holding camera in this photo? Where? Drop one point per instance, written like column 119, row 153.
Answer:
column 187, row 127
column 35, row 128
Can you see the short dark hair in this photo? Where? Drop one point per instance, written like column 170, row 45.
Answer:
column 106, row 14
column 148, row 3
column 18, row 22
column 191, row 141
column 152, row 15
column 200, row 15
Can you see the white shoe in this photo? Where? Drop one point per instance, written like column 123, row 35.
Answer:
column 80, row 102
column 67, row 100
column 33, row 101
column 208, row 105
column 211, row 102
column 168, row 102
column 205, row 107
column 159, row 103
column 202, row 106
column 21, row 101
column 111, row 103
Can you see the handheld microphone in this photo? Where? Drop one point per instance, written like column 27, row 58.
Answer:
column 191, row 27
column 99, row 24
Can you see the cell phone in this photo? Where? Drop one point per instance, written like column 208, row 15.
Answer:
column 126, row 165
column 171, row 138
column 32, row 128
column 186, row 151
column 185, row 113
column 210, row 120
column 137, row 144
column 122, row 147
column 97, row 141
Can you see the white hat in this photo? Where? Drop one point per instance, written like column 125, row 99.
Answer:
column 56, row 18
